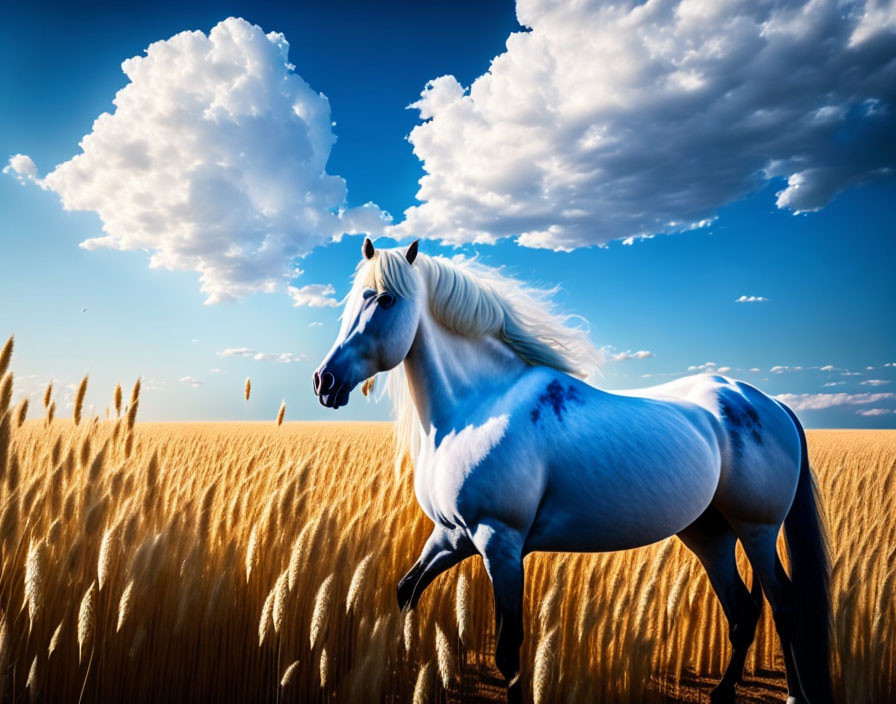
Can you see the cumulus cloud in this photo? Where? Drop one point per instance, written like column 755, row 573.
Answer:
column 190, row 381
column 619, row 120
column 314, row 295
column 281, row 357
column 214, row 160
column 751, row 299
column 23, row 168
column 815, row 402
column 874, row 382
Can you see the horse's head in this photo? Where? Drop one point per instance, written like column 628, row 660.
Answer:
column 378, row 324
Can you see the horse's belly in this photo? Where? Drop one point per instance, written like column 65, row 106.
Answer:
column 616, row 507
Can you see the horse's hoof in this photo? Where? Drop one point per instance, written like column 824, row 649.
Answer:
column 722, row 694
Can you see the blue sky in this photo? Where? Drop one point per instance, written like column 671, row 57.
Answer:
column 823, row 337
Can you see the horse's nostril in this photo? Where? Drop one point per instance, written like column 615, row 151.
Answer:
column 315, row 382
column 328, row 381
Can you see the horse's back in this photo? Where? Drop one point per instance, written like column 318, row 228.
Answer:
column 759, row 444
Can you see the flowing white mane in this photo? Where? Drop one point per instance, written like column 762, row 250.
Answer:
column 475, row 300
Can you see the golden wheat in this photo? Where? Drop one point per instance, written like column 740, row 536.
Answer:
column 172, row 545
column 79, row 399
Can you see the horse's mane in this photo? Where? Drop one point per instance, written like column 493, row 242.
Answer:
column 475, row 300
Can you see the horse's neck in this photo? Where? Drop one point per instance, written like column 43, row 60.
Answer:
column 445, row 369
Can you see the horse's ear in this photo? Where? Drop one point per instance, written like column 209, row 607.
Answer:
column 367, row 248
column 411, row 252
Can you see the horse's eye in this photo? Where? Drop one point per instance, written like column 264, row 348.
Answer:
column 386, row 300
column 368, row 293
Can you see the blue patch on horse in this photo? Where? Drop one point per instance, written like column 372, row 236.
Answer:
column 555, row 397
column 741, row 417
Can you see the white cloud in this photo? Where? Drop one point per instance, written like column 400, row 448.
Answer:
column 751, row 299
column 874, row 382
column 617, row 120
column 315, row 324
column 216, row 370
column 214, row 160
column 612, row 356
column 236, row 352
column 22, row 167
column 833, row 383
column 783, row 369
column 314, row 295
column 709, row 368
column 281, row 357
column 814, row 402
column 195, row 383
column 875, row 412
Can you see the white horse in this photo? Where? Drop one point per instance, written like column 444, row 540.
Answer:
column 514, row 454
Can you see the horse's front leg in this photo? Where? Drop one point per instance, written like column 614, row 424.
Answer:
column 444, row 549
column 502, row 552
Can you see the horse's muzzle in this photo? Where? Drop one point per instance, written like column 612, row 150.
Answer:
column 330, row 392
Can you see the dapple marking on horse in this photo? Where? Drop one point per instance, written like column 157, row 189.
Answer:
column 514, row 453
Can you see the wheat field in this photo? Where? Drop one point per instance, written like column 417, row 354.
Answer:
column 258, row 562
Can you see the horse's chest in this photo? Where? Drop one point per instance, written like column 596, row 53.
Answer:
column 445, row 470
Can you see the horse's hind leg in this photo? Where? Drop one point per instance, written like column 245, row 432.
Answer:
column 760, row 544
column 712, row 541
column 502, row 552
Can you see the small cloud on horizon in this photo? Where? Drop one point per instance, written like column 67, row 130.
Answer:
column 874, row 382
column 817, row 402
column 190, row 381
column 611, row 356
column 751, row 299
column 248, row 352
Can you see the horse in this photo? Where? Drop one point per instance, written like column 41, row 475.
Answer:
column 513, row 452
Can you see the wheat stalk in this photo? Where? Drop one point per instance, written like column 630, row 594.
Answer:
column 34, row 579
column 357, row 583
column 248, row 388
column 86, row 619
column 288, row 674
column 54, row 640
column 5, row 392
column 279, row 604
column 444, row 658
column 22, row 413
column 320, row 617
column 79, row 399
column 6, row 354
column 280, row 413
column 545, row 656
column 423, row 686
column 264, row 623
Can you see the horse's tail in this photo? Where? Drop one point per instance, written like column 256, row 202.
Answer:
column 807, row 547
